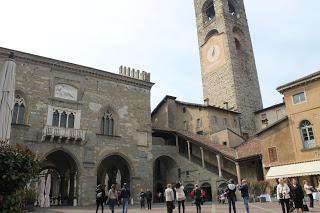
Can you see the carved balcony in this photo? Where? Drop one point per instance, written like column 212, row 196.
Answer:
column 55, row 134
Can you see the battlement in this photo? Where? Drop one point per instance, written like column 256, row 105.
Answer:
column 133, row 73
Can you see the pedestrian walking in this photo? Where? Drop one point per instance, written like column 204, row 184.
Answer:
column 142, row 197
column 169, row 196
column 297, row 195
column 112, row 197
column 181, row 197
column 231, row 195
column 283, row 195
column 100, row 197
column 149, row 198
column 125, row 196
column 309, row 189
column 197, row 198
column 244, row 189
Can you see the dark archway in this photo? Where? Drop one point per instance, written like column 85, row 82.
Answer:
column 188, row 190
column 165, row 171
column 109, row 168
column 64, row 177
column 208, row 190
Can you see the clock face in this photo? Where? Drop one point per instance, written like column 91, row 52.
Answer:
column 213, row 53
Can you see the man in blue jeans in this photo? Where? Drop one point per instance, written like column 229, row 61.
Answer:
column 244, row 189
column 231, row 195
column 125, row 196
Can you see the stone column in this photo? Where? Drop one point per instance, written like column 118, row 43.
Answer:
column 238, row 172
column 219, row 165
column 202, row 157
column 189, row 150
column 72, row 187
column 177, row 143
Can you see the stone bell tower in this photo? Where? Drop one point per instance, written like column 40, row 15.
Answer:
column 229, row 74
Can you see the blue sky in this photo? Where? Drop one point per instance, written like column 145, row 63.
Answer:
column 159, row 36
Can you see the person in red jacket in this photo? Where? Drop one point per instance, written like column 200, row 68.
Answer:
column 203, row 196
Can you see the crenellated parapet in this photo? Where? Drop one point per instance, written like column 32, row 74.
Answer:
column 134, row 73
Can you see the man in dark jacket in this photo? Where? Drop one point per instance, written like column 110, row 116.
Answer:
column 244, row 189
column 125, row 196
column 149, row 198
column 231, row 195
column 197, row 198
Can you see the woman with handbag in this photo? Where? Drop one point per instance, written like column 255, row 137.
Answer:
column 181, row 197
column 297, row 195
column 309, row 190
column 283, row 195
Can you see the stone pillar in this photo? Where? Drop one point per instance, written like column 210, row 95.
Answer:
column 72, row 187
column 189, row 150
column 219, row 165
column 238, row 172
column 202, row 157
column 177, row 143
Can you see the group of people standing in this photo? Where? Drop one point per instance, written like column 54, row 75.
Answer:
column 293, row 191
column 113, row 197
column 178, row 194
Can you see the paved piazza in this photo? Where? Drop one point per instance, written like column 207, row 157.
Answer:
column 255, row 208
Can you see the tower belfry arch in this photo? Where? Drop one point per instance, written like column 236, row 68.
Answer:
column 227, row 61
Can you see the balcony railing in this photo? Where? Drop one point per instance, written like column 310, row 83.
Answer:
column 63, row 135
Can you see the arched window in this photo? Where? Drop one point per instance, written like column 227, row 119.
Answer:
column 107, row 124
column 18, row 110
column 208, row 11
column 55, row 118
column 211, row 33
column 232, row 10
column 63, row 121
column 71, row 120
column 238, row 45
column 307, row 134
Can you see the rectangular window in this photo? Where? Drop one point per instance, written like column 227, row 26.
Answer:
column 198, row 123
column 273, row 154
column 298, row 98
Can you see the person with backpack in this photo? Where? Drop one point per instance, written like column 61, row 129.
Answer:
column 100, row 197
column 244, row 189
column 125, row 196
column 231, row 195
column 197, row 198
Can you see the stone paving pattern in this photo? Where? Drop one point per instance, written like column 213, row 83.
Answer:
column 208, row 208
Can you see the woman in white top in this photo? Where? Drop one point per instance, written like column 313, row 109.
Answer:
column 283, row 195
column 181, row 197
column 168, row 193
column 308, row 190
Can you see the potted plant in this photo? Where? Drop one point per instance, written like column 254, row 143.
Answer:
column 31, row 197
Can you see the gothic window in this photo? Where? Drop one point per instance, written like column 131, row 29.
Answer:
column 71, row 121
column 18, row 110
column 211, row 33
column 232, row 10
column 55, row 118
column 107, row 124
column 63, row 119
column 307, row 134
column 208, row 11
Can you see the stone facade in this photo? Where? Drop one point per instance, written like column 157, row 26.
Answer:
column 269, row 116
column 227, row 61
column 83, row 95
column 220, row 125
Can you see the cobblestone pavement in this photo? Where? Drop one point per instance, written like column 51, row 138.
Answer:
column 208, row 208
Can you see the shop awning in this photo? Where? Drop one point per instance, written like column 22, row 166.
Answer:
column 294, row 170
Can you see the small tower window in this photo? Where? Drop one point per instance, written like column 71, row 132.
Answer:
column 208, row 11
column 238, row 45
column 232, row 10
column 107, row 124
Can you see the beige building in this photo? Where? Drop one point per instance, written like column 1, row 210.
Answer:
column 268, row 116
